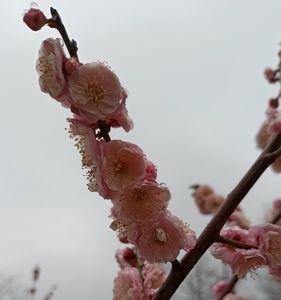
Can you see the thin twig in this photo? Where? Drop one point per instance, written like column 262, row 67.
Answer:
column 58, row 24
column 211, row 232
column 230, row 287
column 234, row 243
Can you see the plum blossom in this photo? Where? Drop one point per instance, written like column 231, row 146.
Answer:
column 241, row 261
column 208, row 202
column 244, row 261
column 50, row 66
column 90, row 150
column 35, row 19
column 121, row 118
column 238, row 218
column 274, row 212
column 262, row 139
column 269, row 242
column 270, row 75
column 270, row 127
column 128, row 285
column 96, row 91
column 234, row 297
column 219, row 288
column 161, row 238
column 274, row 118
column 123, row 165
column 154, row 276
column 206, row 199
column 127, row 257
column 140, row 203
column 263, row 135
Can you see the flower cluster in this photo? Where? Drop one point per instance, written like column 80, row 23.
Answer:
column 266, row 244
column 137, row 279
column 92, row 91
column 116, row 169
column 208, row 202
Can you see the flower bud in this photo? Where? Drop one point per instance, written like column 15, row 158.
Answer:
column 35, row 19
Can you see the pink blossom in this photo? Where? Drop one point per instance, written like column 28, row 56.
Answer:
column 274, row 119
column 128, row 285
column 121, row 230
column 123, row 165
column 219, row 288
column 96, row 91
column 269, row 239
column 127, row 257
column 151, row 172
column 241, row 261
column 238, row 218
column 121, row 118
column 50, row 69
column 159, row 239
column 140, row 203
column 206, row 200
column 234, row 297
column 244, row 261
column 90, row 150
column 154, row 276
column 274, row 212
column 239, row 235
column 223, row 252
column 263, row 135
column 71, row 65
column 270, row 75
column 35, row 19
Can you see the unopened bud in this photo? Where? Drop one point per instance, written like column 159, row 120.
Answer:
column 35, row 19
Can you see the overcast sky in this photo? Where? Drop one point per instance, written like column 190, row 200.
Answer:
column 197, row 96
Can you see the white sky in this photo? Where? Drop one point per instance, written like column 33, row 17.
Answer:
column 196, row 94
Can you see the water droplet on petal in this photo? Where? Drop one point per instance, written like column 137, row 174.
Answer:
column 34, row 5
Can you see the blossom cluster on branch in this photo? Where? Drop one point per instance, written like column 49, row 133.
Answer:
column 264, row 240
column 116, row 169
column 137, row 278
column 119, row 171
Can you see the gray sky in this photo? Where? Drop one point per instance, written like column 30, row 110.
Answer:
column 196, row 94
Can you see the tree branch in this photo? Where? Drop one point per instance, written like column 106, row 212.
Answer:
column 234, row 243
column 58, row 24
column 211, row 232
column 230, row 287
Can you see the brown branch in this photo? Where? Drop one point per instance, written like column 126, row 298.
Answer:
column 58, row 24
column 234, row 243
column 230, row 287
column 211, row 232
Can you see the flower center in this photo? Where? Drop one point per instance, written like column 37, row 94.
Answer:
column 140, row 195
column 160, row 235
column 45, row 68
column 94, row 91
column 118, row 166
column 275, row 244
